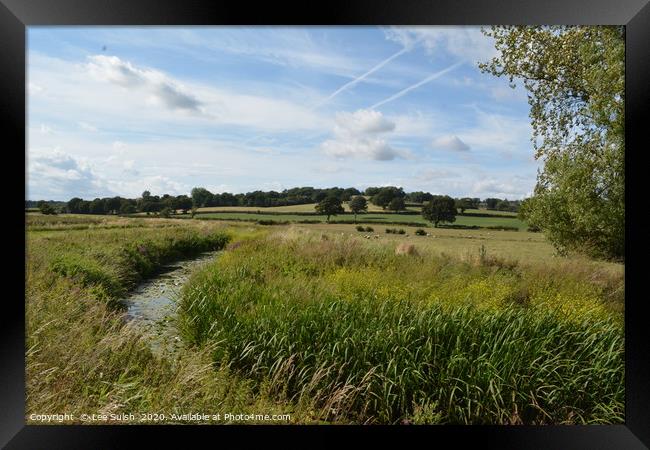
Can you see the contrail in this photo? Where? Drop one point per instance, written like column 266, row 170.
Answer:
column 417, row 85
column 361, row 77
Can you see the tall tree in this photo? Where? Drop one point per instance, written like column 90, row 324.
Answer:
column 74, row 205
column 441, row 208
column 575, row 80
column 358, row 204
column 385, row 194
column 184, row 203
column 330, row 206
column 200, row 197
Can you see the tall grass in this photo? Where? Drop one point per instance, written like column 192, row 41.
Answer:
column 80, row 356
column 351, row 330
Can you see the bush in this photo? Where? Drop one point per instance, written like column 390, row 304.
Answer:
column 360, row 228
column 401, row 231
column 502, row 228
column 370, row 229
column 271, row 222
column 420, row 232
column 47, row 209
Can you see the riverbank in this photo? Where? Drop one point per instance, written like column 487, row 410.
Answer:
column 83, row 361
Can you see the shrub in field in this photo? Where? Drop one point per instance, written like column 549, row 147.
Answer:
column 271, row 222
column 420, row 232
column 370, row 229
column 502, row 228
column 401, row 231
column 360, row 228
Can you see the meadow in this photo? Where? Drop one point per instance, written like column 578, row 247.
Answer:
column 325, row 323
column 366, row 218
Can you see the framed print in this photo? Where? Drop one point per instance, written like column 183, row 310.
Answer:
column 385, row 219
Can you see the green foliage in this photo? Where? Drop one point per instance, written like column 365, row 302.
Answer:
column 358, row 204
column 46, row 208
column 386, row 194
column 330, row 206
column 271, row 222
column 200, row 197
column 575, row 79
column 420, row 232
column 441, row 208
column 88, row 272
column 360, row 228
column 397, row 204
column 142, row 258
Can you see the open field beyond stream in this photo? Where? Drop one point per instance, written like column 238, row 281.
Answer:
column 323, row 323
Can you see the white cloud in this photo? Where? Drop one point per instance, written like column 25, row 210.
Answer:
column 451, row 142
column 466, row 42
column 365, row 148
column 53, row 174
column 33, row 88
column 86, row 126
column 501, row 134
column 294, row 47
column 162, row 89
column 364, row 121
column 357, row 135
column 514, row 187
column 130, row 97
column 156, row 184
column 435, row 174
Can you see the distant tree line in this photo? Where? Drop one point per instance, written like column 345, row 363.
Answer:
column 201, row 197
column 389, row 198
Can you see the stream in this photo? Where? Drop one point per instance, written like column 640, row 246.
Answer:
column 152, row 305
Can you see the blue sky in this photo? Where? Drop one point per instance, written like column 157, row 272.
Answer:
column 120, row 110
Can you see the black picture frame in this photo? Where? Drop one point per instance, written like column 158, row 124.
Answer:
column 16, row 15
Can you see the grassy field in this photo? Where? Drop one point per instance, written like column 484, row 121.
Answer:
column 320, row 322
column 526, row 247
column 370, row 218
column 350, row 328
